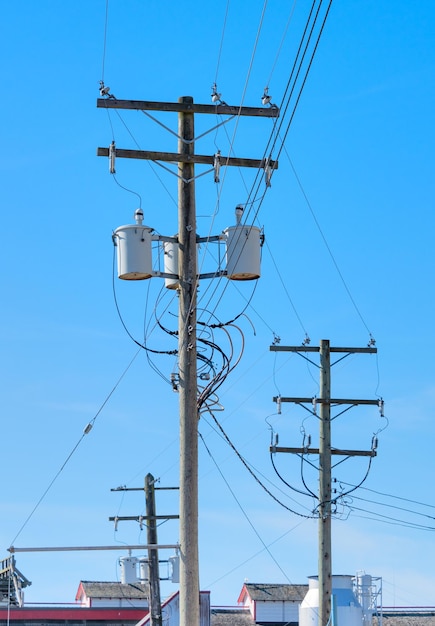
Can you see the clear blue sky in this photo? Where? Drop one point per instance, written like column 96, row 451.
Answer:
column 349, row 233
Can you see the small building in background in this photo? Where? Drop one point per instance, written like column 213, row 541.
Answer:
column 273, row 604
column 111, row 595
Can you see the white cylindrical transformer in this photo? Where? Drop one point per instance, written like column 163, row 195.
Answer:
column 347, row 610
column 170, row 253
column 134, row 244
column 243, row 248
column 144, row 570
column 174, row 564
column 128, row 569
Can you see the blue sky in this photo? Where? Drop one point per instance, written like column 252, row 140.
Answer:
column 348, row 222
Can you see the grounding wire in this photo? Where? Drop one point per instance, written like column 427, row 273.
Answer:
column 86, row 431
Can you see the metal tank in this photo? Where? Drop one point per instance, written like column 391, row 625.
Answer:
column 243, row 250
column 134, row 243
column 128, row 569
column 346, row 610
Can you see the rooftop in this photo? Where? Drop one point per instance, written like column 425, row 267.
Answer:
column 113, row 590
column 275, row 592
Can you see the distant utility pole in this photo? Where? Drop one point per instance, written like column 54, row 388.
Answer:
column 325, row 452
column 188, row 275
column 153, row 556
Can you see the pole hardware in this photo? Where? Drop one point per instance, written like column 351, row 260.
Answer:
column 325, row 451
column 182, row 258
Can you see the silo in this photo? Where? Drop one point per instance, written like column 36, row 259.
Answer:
column 364, row 591
column 346, row 609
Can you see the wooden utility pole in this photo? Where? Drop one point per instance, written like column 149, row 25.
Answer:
column 325, row 453
column 188, row 276
column 155, row 605
column 187, row 367
column 325, row 547
column 153, row 554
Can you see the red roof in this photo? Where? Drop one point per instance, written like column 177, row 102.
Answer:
column 72, row 613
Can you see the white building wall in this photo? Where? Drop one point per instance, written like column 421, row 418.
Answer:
column 273, row 611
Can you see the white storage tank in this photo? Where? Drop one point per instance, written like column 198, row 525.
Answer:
column 134, row 245
column 364, row 592
column 346, row 608
column 243, row 250
column 128, row 569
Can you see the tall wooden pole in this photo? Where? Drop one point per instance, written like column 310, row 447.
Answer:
column 153, row 555
column 325, row 548
column 187, row 270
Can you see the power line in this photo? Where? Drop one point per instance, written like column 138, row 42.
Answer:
column 86, row 431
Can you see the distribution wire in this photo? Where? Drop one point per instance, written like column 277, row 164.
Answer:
column 334, row 261
column 256, row 554
column 86, row 431
column 242, row 99
column 254, row 192
column 378, row 517
column 389, row 495
column 105, row 40
column 142, row 345
column 292, row 10
column 221, row 42
column 263, row 543
column 253, row 474
column 392, row 506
